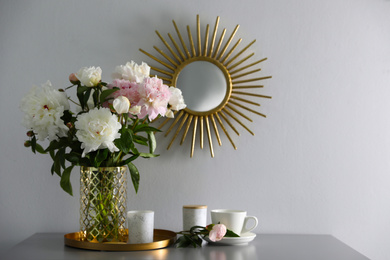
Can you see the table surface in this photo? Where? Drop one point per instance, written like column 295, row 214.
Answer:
column 264, row 246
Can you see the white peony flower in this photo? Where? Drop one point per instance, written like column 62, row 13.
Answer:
column 97, row 129
column 43, row 108
column 132, row 72
column 89, row 77
column 121, row 105
column 176, row 101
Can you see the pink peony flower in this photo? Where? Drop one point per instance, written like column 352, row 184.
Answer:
column 154, row 97
column 127, row 89
column 218, row 232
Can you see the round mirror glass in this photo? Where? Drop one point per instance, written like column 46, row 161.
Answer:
column 203, row 85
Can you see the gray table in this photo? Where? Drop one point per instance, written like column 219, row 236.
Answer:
column 265, row 246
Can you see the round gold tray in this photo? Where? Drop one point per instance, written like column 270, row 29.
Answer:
column 162, row 238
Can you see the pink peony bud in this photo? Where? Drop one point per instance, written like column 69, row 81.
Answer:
column 27, row 144
column 73, row 79
column 69, row 125
column 30, row 133
column 218, row 232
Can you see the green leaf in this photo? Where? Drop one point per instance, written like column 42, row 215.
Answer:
column 135, row 177
column 140, row 140
column 39, row 149
column 80, row 95
column 230, row 233
column 101, row 156
column 96, row 97
column 145, row 128
column 132, row 158
column 148, row 155
column 65, row 180
column 106, row 93
column 125, row 142
column 73, row 157
column 86, row 96
column 152, row 142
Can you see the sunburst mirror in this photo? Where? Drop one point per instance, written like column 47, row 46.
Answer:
column 214, row 81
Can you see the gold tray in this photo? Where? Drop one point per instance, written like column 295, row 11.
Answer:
column 162, row 238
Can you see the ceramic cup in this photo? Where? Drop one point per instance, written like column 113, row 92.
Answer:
column 235, row 220
column 141, row 225
column 194, row 215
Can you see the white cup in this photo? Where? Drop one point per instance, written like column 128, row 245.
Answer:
column 235, row 220
column 141, row 226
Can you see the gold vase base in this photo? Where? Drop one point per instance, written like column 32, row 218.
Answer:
column 162, row 238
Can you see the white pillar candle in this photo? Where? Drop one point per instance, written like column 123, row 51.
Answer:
column 141, row 226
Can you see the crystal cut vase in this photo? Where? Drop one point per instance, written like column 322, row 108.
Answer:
column 103, row 194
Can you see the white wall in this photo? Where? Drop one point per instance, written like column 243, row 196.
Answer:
column 319, row 163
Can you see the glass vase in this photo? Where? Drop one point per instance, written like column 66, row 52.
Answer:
column 103, row 194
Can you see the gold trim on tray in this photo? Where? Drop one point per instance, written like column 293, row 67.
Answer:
column 162, row 238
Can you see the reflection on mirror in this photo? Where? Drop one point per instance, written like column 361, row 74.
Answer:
column 203, row 85
column 216, row 83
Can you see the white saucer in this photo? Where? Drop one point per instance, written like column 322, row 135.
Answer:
column 243, row 240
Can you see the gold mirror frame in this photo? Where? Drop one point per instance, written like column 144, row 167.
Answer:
column 181, row 57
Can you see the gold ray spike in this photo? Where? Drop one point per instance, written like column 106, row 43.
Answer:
column 163, row 78
column 216, row 130
column 244, row 107
column 165, row 121
column 225, row 131
column 241, row 61
column 238, row 112
column 214, row 36
column 206, row 40
column 219, row 43
column 209, row 136
column 228, row 42
column 241, row 52
column 245, row 100
column 165, row 56
column 198, row 34
column 174, row 122
column 248, row 86
column 181, row 39
column 229, row 123
column 250, row 94
column 194, row 137
column 201, row 131
column 191, row 41
column 158, row 60
column 178, row 130
column 250, row 80
column 247, row 66
column 245, row 74
column 168, row 46
column 186, row 129
column 177, row 47
column 162, row 71
column 231, row 50
column 238, row 121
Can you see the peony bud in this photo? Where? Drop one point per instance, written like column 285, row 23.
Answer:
column 121, row 105
column 73, row 79
column 30, row 133
column 69, row 125
column 27, row 144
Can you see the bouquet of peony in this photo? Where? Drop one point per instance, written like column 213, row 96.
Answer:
column 109, row 122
